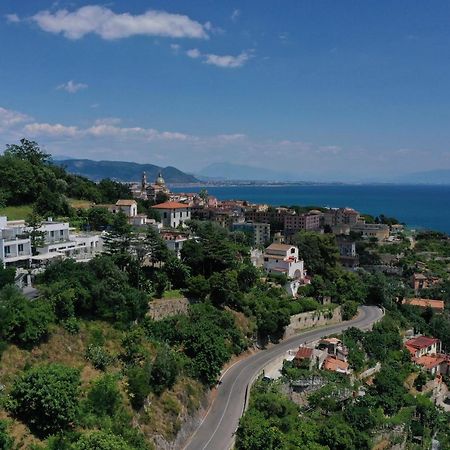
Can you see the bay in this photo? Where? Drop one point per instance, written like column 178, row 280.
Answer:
column 419, row 206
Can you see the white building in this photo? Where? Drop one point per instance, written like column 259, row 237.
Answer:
column 60, row 241
column 128, row 207
column 284, row 259
column 173, row 214
column 15, row 246
column 175, row 241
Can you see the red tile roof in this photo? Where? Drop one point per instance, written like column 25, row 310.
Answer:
column 171, row 205
column 421, row 342
column 425, row 303
column 334, row 364
column 304, row 353
column 430, row 361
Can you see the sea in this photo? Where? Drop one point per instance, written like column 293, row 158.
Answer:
column 419, row 206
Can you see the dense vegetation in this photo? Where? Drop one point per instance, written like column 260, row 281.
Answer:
column 84, row 367
column 344, row 415
column 27, row 176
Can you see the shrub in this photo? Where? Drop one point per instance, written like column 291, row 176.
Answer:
column 100, row 440
column 5, row 440
column 46, row 398
column 104, row 396
column 71, row 325
column 21, row 321
column 139, row 384
column 164, row 371
column 99, row 357
column 349, row 310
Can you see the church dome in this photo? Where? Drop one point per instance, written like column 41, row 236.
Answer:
column 160, row 180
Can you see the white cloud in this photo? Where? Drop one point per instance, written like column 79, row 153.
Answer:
column 109, row 25
column 194, row 53
column 175, row 48
column 12, row 18
column 10, row 118
column 72, row 87
column 235, row 15
column 225, row 61
column 48, row 129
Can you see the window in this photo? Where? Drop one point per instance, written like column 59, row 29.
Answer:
column 20, row 247
column 61, row 233
column 165, row 215
column 52, row 233
column 7, row 250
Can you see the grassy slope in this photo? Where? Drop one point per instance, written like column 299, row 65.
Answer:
column 163, row 416
column 16, row 212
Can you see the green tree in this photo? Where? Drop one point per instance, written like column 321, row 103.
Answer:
column 99, row 218
column 36, row 235
column 6, row 442
column 247, row 277
column 197, row 288
column 338, row 435
column 7, row 276
column 104, row 396
column 118, row 240
column 21, row 321
column 225, row 289
column 319, row 251
column 156, row 247
column 177, row 272
column 51, row 203
column 164, row 370
column 100, row 440
column 255, row 433
column 46, row 398
column 205, row 345
column 139, row 384
column 349, row 310
column 28, row 151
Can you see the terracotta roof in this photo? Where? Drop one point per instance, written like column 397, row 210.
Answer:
column 419, row 276
column 283, row 247
column 424, row 303
column 126, row 202
column 171, row 205
column 304, row 353
column 334, row 364
column 421, row 342
column 430, row 361
column 331, row 341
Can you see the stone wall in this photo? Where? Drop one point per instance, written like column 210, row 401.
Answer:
column 159, row 309
column 312, row 319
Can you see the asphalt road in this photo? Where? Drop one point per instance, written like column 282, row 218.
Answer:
column 216, row 432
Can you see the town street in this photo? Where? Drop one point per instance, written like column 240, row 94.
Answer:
column 216, row 432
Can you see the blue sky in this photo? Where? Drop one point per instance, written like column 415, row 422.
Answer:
column 324, row 89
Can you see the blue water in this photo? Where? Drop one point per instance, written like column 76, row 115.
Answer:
column 417, row 206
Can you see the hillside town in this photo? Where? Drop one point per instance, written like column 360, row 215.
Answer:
column 166, row 290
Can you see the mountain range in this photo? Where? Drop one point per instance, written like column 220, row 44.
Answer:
column 239, row 172
column 123, row 171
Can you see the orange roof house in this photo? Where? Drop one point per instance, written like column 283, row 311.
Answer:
column 423, row 345
column 336, row 365
column 171, row 205
column 437, row 305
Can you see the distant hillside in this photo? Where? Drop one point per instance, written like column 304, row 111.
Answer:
column 228, row 171
column 123, row 171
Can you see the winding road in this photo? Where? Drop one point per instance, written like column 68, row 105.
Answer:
column 216, row 431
